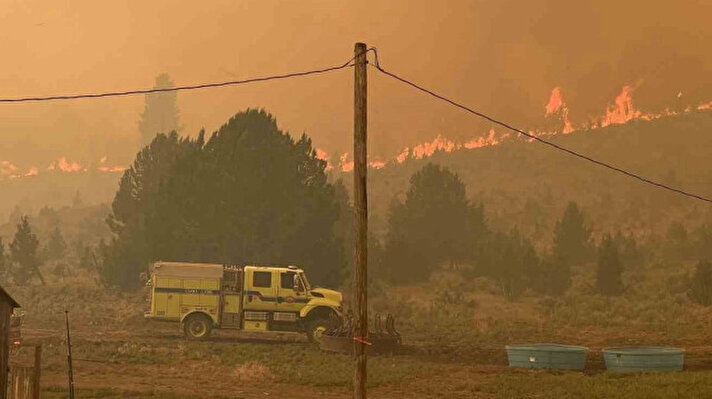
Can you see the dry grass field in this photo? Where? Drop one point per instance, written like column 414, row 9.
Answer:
column 452, row 350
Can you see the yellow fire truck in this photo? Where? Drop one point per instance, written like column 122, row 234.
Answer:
column 203, row 296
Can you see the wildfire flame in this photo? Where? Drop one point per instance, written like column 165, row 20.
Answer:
column 62, row 164
column 345, row 166
column 555, row 101
column 7, row 168
column 556, row 105
column 622, row 110
column 11, row 171
column 65, row 166
column 485, row 141
column 321, row 154
column 440, row 143
column 103, row 168
column 427, row 149
column 403, row 155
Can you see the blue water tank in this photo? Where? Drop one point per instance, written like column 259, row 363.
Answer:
column 547, row 356
column 643, row 359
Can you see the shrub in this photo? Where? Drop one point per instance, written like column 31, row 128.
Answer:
column 700, row 290
column 610, row 268
column 554, row 276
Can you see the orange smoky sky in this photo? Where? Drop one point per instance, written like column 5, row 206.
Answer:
column 503, row 57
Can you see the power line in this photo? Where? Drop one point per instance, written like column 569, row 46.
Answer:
column 539, row 139
column 347, row 64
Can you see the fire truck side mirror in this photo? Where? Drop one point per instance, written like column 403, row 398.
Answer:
column 296, row 283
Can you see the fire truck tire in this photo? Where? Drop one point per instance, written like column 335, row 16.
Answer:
column 316, row 328
column 197, row 326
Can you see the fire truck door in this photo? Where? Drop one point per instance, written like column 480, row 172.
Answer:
column 260, row 290
column 290, row 299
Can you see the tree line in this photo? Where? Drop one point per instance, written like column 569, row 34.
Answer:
column 28, row 257
column 435, row 227
column 251, row 193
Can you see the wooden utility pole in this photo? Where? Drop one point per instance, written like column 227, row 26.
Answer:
column 69, row 358
column 360, row 332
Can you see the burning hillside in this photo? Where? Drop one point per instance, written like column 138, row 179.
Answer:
column 10, row 171
column 620, row 111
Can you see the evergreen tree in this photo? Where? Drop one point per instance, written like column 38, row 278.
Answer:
column 511, row 261
column 629, row 252
column 60, row 270
column 554, row 276
column 132, row 204
column 677, row 243
column 610, row 268
column 86, row 257
column 160, row 113
column 23, row 252
column 343, row 233
column 572, row 237
column 703, row 241
column 56, row 247
column 250, row 194
column 3, row 261
column 78, row 200
column 436, row 225
column 701, row 284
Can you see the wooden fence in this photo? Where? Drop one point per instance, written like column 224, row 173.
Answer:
column 24, row 381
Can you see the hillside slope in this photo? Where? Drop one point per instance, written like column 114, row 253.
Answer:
column 56, row 189
column 520, row 183
column 528, row 184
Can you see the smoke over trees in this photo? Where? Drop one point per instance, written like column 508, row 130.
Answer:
column 250, row 194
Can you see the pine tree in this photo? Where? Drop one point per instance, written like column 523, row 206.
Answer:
column 513, row 262
column 23, row 252
column 554, row 276
column 78, row 200
column 435, row 226
column 678, row 243
column 701, row 284
column 703, row 241
column 572, row 237
column 160, row 114
column 56, row 247
column 610, row 268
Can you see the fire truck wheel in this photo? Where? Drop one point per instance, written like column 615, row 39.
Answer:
column 316, row 329
column 197, row 326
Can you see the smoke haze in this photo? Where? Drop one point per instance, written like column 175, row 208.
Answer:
column 502, row 57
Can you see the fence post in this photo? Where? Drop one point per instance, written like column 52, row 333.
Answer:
column 38, row 370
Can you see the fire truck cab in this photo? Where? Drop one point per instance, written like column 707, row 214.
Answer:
column 203, row 296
